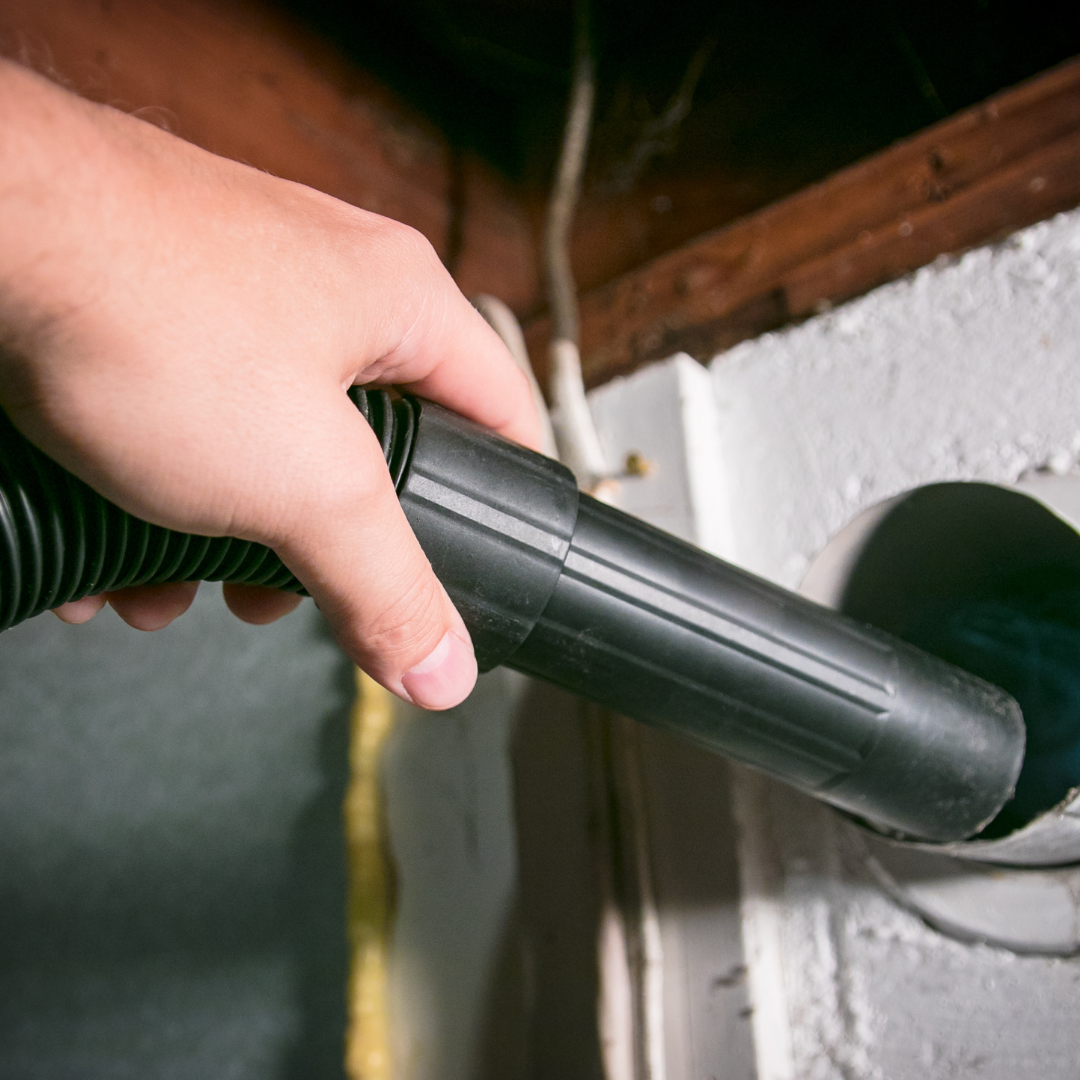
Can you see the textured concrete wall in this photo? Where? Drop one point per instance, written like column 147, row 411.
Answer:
column 966, row 370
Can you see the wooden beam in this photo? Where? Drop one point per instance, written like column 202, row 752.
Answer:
column 242, row 81
column 975, row 177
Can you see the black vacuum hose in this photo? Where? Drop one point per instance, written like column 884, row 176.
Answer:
column 61, row 541
column 555, row 584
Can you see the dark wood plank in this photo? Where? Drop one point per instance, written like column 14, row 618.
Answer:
column 979, row 175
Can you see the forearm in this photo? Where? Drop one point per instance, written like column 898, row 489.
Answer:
column 55, row 152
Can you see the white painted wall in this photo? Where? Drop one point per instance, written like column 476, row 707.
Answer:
column 967, row 369
column 666, row 415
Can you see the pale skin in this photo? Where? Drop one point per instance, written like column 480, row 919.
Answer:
column 180, row 330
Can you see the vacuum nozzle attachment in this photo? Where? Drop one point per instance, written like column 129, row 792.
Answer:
column 562, row 587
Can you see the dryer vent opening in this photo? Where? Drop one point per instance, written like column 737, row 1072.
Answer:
column 989, row 579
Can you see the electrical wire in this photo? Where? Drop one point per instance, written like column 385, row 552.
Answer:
column 575, row 432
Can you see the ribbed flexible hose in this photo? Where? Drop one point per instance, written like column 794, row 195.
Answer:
column 60, row 540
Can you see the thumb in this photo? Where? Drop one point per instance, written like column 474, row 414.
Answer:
column 351, row 545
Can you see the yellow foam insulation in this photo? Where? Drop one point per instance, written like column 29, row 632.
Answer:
column 367, row 1047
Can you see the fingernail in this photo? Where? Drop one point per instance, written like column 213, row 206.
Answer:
column 445, row 677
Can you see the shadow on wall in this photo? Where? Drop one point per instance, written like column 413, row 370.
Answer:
column 576, row 844
column 540, row 1014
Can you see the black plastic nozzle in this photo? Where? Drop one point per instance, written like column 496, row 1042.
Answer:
column 553, row 583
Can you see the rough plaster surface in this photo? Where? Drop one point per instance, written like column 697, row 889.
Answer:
column 966, row 370
column 872, row 993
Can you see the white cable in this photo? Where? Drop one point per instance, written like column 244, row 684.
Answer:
column 504, row 322
column 575, row 432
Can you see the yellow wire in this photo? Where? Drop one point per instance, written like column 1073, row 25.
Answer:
column 367, row 1047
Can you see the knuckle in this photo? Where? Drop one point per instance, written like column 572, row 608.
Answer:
column 406, row 629
column 416, row 245
column 408, row 246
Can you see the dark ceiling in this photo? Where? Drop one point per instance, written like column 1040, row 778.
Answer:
column 786, row 92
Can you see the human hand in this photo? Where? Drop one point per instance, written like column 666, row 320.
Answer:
column 180, row 331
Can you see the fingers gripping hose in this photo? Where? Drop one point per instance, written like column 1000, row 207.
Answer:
column 61, row 541
column 555, row 584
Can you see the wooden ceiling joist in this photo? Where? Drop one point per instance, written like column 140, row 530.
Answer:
column 243, row 81
column 976, row 177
